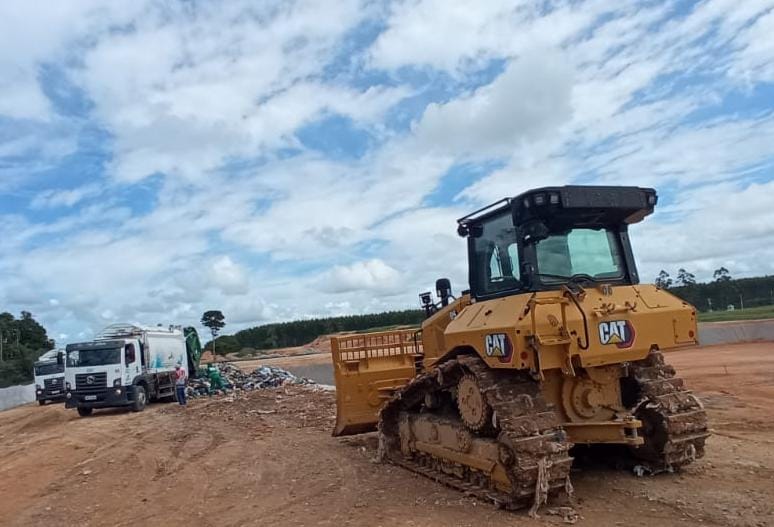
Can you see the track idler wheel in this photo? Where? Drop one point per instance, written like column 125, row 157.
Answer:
column 471, row 402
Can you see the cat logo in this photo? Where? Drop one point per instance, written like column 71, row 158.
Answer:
column 618, row 332
column 498, row 345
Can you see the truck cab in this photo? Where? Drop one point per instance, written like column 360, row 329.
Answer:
column 101, row 374
column 127, row 366
column 49, row 379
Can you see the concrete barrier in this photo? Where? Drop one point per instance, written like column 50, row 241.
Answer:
column 713, row 333
column 16, row 395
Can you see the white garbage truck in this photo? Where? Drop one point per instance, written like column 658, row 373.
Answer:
column 49, row 378
column 128, row 365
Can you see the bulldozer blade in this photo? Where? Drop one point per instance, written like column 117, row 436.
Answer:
column 369, row 368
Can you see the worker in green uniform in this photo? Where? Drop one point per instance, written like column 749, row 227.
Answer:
column 216, row 381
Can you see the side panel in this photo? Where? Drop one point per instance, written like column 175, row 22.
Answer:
column 434, row 328
column 492, row 328
column 368, row 369
column 165, row 351
column 551, row 330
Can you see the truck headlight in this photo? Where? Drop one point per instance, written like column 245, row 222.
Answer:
column 68, row 395
column 40, row 391
column 118, row 391
column 67, row 386
column 117, row 382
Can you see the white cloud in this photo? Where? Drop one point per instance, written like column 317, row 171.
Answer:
column 187, row 97
column 754, row 62
column 729, row 224
column 523, row 173
column 30, row 36
column 230, row 277
column 63, row 198
column 528, row 101
column 466, row 34
column 322, row 208
column 370, row 275
column 425, row 243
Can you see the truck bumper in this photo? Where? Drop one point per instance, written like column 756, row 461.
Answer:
column 106, row 399
column 44, row 395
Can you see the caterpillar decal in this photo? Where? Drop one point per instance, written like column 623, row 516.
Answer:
column 618, row 332
column 498, row 345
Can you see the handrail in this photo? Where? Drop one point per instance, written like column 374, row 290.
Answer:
column 363, row 346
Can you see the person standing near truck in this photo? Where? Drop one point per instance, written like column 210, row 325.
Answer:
column 180, row 382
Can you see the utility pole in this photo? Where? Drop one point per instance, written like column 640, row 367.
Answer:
column 741, row 301
column 709, row 301
column 1, row 345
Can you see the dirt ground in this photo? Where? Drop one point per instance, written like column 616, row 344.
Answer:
column 267, row 458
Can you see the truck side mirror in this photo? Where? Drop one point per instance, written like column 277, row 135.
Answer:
column 59, row 358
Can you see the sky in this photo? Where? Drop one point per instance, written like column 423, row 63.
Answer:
column 281, row 160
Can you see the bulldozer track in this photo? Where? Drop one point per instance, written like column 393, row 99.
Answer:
column 532, row 445
column 674, row 420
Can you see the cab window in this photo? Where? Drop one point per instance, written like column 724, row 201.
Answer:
column 129, row 354
column 593, row 252
column 496, row 256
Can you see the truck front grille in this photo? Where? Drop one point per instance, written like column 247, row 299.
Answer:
column 91, row 382
column 56, row 384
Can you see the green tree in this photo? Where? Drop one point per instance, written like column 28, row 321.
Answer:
column 663, row 280
column 215, row 321
column 722, row 275
column 22, row 341
column 685, row 278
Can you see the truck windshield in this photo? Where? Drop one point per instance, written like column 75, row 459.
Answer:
column 48, row 368
column 93, row 357
column 591, row 253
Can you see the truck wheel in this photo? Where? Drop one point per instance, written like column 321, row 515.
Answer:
column 139, row 399
column 42, row 402
column 84, row 411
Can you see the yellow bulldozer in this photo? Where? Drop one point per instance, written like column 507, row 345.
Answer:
column 555, row 344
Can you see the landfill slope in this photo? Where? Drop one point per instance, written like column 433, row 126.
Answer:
column 266, row 457
column 315, row 366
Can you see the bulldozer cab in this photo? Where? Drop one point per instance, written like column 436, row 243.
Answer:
column 549, row 237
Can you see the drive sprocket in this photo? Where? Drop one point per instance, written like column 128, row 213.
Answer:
column 472, row 405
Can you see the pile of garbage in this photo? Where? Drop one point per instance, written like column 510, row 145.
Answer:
column 226, row 377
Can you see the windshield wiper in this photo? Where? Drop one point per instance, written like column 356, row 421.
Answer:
column 576, row 278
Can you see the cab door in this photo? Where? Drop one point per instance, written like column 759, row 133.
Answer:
column 131, row 362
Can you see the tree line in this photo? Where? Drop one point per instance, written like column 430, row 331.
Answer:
column 722, row 292
column 300, row 332
column 22, row 341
